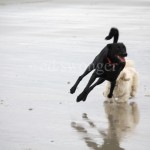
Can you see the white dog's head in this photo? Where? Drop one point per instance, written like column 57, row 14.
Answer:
column 125, row 73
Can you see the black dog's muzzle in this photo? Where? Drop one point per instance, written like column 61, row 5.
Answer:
column 124, row 55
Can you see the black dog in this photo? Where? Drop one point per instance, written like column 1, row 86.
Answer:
column 107, row 64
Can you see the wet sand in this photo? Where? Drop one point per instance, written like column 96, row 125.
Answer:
column 44, row 48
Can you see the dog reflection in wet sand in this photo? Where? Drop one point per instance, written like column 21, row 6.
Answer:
column 122, row 118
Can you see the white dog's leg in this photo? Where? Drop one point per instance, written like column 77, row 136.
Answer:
column 134, row 85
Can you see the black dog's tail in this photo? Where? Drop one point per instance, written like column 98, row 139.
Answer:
column 113, row 33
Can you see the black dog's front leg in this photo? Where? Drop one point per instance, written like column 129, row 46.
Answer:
column 111, row 89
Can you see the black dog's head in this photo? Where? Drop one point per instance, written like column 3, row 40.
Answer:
column 117, row 52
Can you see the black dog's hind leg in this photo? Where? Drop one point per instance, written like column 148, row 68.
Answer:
column 111, row 89
column 88, row 70
column 83, row 94
column 86, row 89
column 100, row 80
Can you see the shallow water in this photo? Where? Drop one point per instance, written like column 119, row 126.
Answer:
column 45, row 46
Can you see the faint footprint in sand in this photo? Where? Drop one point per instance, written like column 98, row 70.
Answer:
column 1, row 102
column 68, row 82
column 147, row 95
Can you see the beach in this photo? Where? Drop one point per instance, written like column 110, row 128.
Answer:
column 44, row 47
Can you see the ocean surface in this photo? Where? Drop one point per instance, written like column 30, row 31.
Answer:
column 44, row 46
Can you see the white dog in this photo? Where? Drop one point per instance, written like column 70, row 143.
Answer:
column 126, row 83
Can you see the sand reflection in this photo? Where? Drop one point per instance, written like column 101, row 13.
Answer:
column 122, row 119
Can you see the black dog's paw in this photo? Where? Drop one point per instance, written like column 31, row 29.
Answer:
column 72, row 90
column 84, row 99
column 110, row 95
column 78, row 100
column 81, row 97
